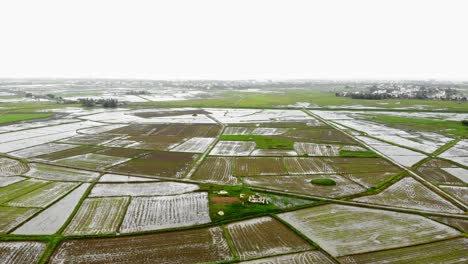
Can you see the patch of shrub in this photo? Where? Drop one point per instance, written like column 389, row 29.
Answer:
column 323, row 181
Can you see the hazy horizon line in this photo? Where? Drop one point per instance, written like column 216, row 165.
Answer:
column 238, row 79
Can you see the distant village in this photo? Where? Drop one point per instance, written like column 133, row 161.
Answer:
column 405, row 91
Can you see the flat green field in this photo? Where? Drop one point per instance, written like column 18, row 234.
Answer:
column 316, row 97
column 424, row 124
column 13, row 117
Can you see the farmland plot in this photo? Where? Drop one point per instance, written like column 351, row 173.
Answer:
column 301, row 166
column 41, row 150
column 313, row 149
column 361, row 165
column 254, row 238
column 121, row 143
column 155, row 213
column 109, row 177
column 409, row 193
column 457, row 152
column 267, row 131
column 142, row 189
column 5, row 181
column 18, row 189
column 216, row 170
column 13, row 216
column 97, row 216
column 159, row 163
column 283, row 201
column 92, row 161
column 33, row 137
column 369, row 179
column 55, row 173
column 319, row 135
column 273, row 152
column 233, row 148
column 238, row 131
column 352, row 148
column 400, row 155
column 259, row 166
column 308, row 257
column 99, row 129
column 191, row 246
column 423, row 141
column 34, row 141
column 238, row 116
column 11, row 167
column 343, row 230
column 53, row 218
column 156, row 142
column 37, row 124
column 195, row 145
column 302, row 185
column 19, row 252
column 460, row 173
column 458, row 223
column 187, row 131
column 43, row 196
column 442, row 172
column 95, row 139
column 77, row 150
column 446, row 251
column 458, row 191
column 122, row 152
column 130, row 117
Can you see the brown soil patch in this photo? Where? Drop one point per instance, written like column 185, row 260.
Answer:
column 225, row 200
column 159, row 163
column 79, row 150
column 122, row 152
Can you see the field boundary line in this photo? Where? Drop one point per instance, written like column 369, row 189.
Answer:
column 228, row 237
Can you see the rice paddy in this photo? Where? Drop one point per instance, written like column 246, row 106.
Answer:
column 229, row 185
column 98, row 216
column 154, row 213
column 344, row 230
column 254, row 238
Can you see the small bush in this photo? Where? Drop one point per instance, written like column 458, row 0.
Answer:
column 327, row 182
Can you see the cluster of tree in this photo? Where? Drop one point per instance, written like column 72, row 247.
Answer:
column 465, row 122
column 371, row 96
column 423, row 93
column 107, row 103
column 137, row 92
column 364, row 96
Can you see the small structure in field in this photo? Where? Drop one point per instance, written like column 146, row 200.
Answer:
column 258, row 199
column 221, row 213
column 222, row 192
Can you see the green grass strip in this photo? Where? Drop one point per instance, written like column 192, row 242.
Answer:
column 7, row 118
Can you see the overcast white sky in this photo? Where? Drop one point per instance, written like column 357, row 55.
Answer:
column 252, row 39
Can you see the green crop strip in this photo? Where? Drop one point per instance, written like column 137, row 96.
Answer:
column 13, row 117
column 424, row 124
